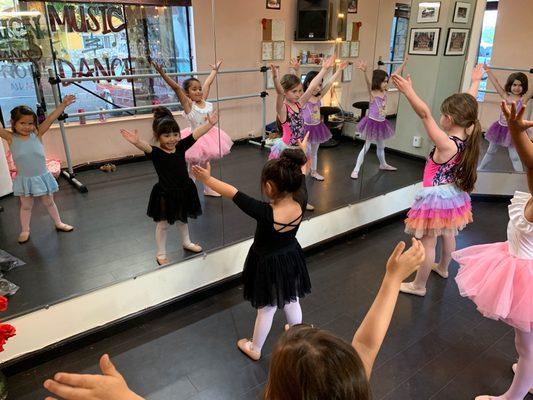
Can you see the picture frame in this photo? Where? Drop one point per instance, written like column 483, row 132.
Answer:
column 428, row 12
column 461, row 13
column 424, row 41
column 267, row 51
column 278, row 50
column 354, row 49
column 273, row 4
column 457, row 42
column 347, row 73
column 345, row 49
column 352, row 6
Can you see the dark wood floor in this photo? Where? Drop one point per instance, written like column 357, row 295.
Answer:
column 114, row 239
column 438, row 347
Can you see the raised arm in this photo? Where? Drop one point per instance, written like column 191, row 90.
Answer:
column 281, row 111
column 133, row 138
column 371, row 333
column 204, row 175
column 212, row 120
column 327, row 64
column 527, row 96
column 294, row 63
column 435, row 133
column 399, row 70
column 362, row 65
column 207, row 84
column 5, row 134
column 335, row 77
column 47, row 123
column 501, row 91
column 176, row 88
column 524, row 146
column 477, row 74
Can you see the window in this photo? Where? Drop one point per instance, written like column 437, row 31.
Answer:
column 399, row 31
column 486, row 42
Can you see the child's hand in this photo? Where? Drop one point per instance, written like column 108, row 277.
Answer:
column 275, row 70
column 302, row 144
column 362, row 65
column 294, row 64
column 402, row 264
column 486, row 67
column 515, row 120
column 216, row 66
column 202, row 174
column 328, row 62
column 343, row 65
column 68, row 100
column 477, row 72
column 403, row 84
column 132, row 137
column 212, row 118
column 158, row 67
column 108, row 386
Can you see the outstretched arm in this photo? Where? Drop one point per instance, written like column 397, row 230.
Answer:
column 477, row 74
column 295, row 65
column 176, row 88
column 47, row 123
column 399, row 70
column 316, row 80
column 371, row 333
column 437, row 135
column 204, row 175
column 281, row 111
column 5, row 134
column 524, row 146
column 335, row 77
column 501, row 91
column 362, row 65
column 133, row 138
column 210, row 79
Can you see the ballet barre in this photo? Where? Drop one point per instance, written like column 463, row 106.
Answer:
column 381, row 63
column 530, row 70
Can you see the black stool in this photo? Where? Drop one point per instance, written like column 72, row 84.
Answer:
column 332, row 126
column 363, row 106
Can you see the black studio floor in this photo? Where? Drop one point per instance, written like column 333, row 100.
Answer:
column 114, row 239
column 438, row 347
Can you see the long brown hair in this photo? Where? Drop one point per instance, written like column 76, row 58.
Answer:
column 309, row 363
column 462, row 108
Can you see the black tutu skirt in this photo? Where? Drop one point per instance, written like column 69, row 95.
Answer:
column 174, row 204
column 275, row 279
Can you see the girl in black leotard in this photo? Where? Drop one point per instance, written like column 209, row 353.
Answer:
column 275, row 274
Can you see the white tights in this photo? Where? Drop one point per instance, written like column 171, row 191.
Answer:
column 491, row 151
column 265, row 316
column 380, row 152
column 161, row 230
column 429, row 243
column 26, row 206
column 313, row 150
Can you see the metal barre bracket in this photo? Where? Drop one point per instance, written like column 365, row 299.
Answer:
column 264, row 68
column 263, row 94
column 62, row 117
column 54, row 80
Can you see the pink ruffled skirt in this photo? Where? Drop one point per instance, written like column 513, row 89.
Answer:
column 213, row 145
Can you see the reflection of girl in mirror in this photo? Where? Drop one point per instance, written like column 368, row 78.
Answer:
column 33, row 179
column 318, row 131
column 174, row 198
column 192, row 97
column 442, row 207
column 307, row 362
column 498, row 277
column 374, row 127
column 275, row 273
column 515, row 89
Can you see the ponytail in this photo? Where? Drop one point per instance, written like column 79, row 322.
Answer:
column 467, row 169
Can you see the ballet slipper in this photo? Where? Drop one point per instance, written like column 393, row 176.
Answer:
column 62, row 227
column 162, row 260
column 195, row 248
column 354, row 175
column 23, row 237
column 514, row 367
column 409, row 288
column 484, row 397
column 435, row 268
column 309, row 207
column 245, row 345
column 316, row 176
column 287, row 327
column 387, row 167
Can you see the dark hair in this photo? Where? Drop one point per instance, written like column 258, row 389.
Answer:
column 22, row 111
column 285, row 173
column 378, row 76
column 463, row 109
column 289, row 82
column 517, row 76
column 308, row 78
column 187, row 83
column 164, row 122
column 309, row 363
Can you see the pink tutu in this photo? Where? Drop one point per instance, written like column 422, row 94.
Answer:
column 499, row 134
column 318, row 133
column 370, row 129
column 500, row 284
column 208, row 147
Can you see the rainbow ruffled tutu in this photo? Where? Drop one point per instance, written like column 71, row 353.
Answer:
column 439, row 210
column 500, row 284
column 278, row 147
column 370, row 129
column 213, row 145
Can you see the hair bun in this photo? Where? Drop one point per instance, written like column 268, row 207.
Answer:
column 162, row 112
column 296, row 156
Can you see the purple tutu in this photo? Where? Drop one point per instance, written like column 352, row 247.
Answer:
column 213, row 145
column 370, row 129
column 499, row 134
column 318, row 133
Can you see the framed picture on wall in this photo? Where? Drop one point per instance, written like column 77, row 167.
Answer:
column 352, row 6
column 461, row 12
column 347, row 73
column 428, row 12
column 456, row 42
column 424, row 41
column 273, row 4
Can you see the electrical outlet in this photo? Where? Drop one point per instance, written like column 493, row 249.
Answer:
column 417, row 141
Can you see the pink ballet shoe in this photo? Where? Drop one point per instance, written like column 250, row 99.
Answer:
column 195, row 248
column 409, row 288
column 310, row 207
column 62, row 227
column 484, row 397
column 287, row 327
column 354, row 174
column 162, row 260
column 245, row 345
column 316, row 176
column 435, row 268
column 514, row 367
column 23, row 237
column 387, row 167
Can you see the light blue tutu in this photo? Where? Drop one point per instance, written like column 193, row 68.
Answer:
column 40, row 185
